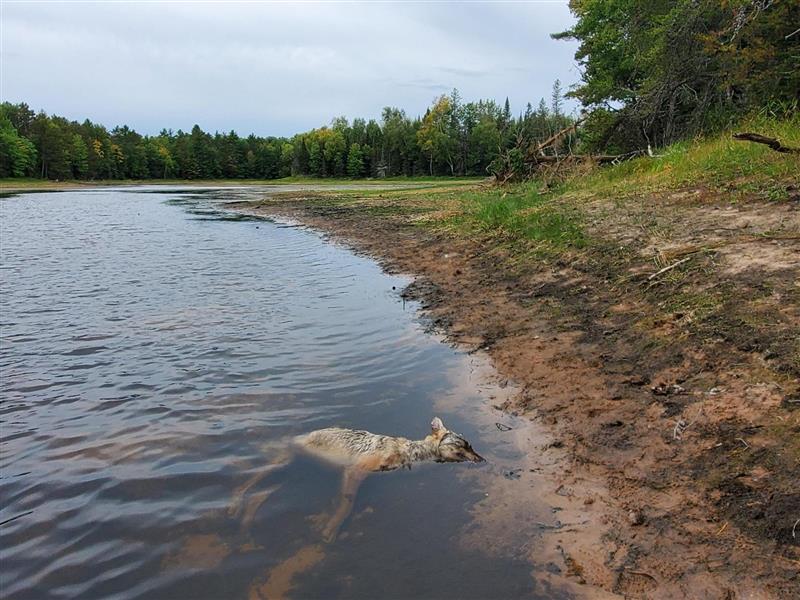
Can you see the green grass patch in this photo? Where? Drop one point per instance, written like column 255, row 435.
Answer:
column 522, row 214
column 719, row 160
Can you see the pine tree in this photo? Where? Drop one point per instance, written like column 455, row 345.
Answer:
column 506, row 114
column 557, row 101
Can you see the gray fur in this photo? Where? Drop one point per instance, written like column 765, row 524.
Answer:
column 375, row 452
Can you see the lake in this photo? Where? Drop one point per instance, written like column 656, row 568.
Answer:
column 159, row 351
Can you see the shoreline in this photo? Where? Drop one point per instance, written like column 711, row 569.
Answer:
column 644, row 525
column 12, row 186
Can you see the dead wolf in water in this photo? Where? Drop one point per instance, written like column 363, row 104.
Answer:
column 362, row 452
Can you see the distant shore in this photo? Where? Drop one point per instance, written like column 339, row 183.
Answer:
column 10, row 185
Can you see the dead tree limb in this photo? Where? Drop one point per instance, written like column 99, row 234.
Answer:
column 527, row 158
column 598, row 158
column 773, row 143
column 532, row 152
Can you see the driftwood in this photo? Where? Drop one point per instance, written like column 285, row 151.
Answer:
column 773, row 143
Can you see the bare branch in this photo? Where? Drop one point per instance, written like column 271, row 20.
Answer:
column 773, row 143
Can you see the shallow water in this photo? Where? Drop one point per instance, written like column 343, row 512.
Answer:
column 157, row 354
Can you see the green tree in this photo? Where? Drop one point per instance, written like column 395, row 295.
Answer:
column 355, row 161
column 557, row 99
column 79, row 157
column 335, row 149
column 434, row 136
column 17, row 154
column 669, row 69
column 288, row 162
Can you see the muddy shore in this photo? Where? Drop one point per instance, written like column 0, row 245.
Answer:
column 671, row 457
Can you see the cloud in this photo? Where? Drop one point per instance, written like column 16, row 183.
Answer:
column 425, row 84
column 464, row 72
column 274, row 69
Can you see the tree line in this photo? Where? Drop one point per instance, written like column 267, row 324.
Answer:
column 453, row 138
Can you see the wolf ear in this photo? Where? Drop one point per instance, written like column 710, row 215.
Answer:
column 437, row 426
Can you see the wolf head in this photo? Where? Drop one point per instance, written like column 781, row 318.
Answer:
column 452, row 447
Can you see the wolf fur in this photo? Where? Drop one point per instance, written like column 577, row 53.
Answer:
column 375, row 452
column 361, row 452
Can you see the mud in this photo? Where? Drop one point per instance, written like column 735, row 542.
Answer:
column 674, row 438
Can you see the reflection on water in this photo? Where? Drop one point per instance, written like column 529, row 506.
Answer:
column 156, row 355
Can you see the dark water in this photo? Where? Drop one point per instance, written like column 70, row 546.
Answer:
column 156, row 355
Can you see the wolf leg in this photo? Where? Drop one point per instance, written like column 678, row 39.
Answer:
column 351, row 481
column 280, row 455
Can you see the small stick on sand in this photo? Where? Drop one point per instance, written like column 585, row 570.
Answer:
column 669, row 268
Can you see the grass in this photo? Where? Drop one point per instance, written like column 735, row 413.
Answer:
column 743, row 168
column 522, row 216
column 554, row 220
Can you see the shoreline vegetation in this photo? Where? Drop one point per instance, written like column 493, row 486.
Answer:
column 649, row 313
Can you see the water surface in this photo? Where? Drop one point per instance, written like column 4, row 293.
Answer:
column 157, row 353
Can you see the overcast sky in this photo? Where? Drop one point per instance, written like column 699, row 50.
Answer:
column 274, row 68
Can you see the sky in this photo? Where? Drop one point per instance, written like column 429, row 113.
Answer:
column 274, row 68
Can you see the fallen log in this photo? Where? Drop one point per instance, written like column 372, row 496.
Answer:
column 773, row 143
column 532, row 152
column 598, row 158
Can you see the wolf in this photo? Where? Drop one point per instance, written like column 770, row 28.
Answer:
column 361, row 453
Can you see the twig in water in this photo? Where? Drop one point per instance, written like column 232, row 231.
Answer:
column 19, row 516
column 502, row 427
